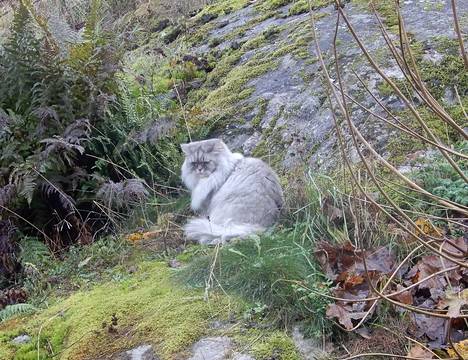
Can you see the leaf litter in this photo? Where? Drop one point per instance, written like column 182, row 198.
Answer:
column 445, row 292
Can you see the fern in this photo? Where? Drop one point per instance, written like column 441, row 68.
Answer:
column 14, row 310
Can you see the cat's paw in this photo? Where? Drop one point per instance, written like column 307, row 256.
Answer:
column 196, row 204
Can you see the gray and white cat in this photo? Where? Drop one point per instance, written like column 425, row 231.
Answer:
column 236, row 196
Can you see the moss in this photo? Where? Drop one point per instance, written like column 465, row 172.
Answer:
column 386, row 9
column 401, row 146
column 302, row 6
column 268, row 344
column 147, row 307
column 222, row 101
column 270, row 148
column 276, row 345
column 222, row 7
column 262, row 104
column 215, row 42
column 272, row 4
column 448, row 73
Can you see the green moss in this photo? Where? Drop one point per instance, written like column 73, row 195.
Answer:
column 272, row 4
column 223, row 7
column 277, row 345
column 147, row 307
column 302, row 6
column 450, row 72
column 386, row 9
column 262, row 104
column 270, row 148
column 222, row 101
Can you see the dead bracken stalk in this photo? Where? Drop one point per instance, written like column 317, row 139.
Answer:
column 459, row 35
column 445, row 250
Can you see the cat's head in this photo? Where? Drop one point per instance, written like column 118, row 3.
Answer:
column 203, row 157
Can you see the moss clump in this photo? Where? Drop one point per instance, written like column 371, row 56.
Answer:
column 222, row 7
column 276, row 345
column 262, row 106
column 147, row 308
column 386, row 9
column 302, row 6
column 448, row 73
column 222, row 101
column 272, row 4
column 270, row 148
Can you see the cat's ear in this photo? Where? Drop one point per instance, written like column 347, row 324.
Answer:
column 219, row 146
column 185, row 149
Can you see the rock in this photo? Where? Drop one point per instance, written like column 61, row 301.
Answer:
column 206, row 18
column 309, row 349
column 174, row 263
column 223, row 24
column 213, row 348
column 22, row 339
column 172, row 35
column 239, row 356
column 142, row 352
column 161, row 25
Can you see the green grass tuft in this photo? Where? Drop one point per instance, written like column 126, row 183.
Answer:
column 269, row 269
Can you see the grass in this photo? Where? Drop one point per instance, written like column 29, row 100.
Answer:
column 268, row 271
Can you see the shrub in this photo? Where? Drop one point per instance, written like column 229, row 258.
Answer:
column 79, row 151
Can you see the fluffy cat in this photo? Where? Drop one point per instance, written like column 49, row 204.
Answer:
column 236, row 196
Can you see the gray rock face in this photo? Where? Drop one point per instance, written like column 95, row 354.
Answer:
column 308, row 348
column 22, row 339
column 297, row 119
column 142, row 352
column 216, row 348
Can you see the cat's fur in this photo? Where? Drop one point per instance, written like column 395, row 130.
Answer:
column 236, row 196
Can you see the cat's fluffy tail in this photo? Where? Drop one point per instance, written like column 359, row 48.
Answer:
column 207, row 232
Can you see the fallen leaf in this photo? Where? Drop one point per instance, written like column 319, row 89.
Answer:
column 454, row 301
column 417, row 351
column 352, row 280
column 405, row 297
column 425, row 227
column 339, row 312
column 135, row 236
column 461, row 347
column 432, row 327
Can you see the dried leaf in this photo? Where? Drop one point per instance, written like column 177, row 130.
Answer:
column 454, row 301
column 432, row 327
column 339, row 312
column 425, row 227
column 462, row 348
column 418, row 352
column 134, row 237
column 405, row 297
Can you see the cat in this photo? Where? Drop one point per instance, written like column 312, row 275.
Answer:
column 236, row 196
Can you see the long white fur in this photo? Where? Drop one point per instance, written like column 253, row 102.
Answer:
column 205, row 186
column 237, row 196
column 207, row 232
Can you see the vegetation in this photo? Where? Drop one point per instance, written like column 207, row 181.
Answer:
column 92, row 259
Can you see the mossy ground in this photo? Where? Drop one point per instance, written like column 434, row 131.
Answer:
column 141, row 302
column 148, row 309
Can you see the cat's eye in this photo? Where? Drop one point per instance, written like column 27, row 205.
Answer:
column 200, row 163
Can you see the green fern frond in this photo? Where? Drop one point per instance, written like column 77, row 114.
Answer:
column 15, row 310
